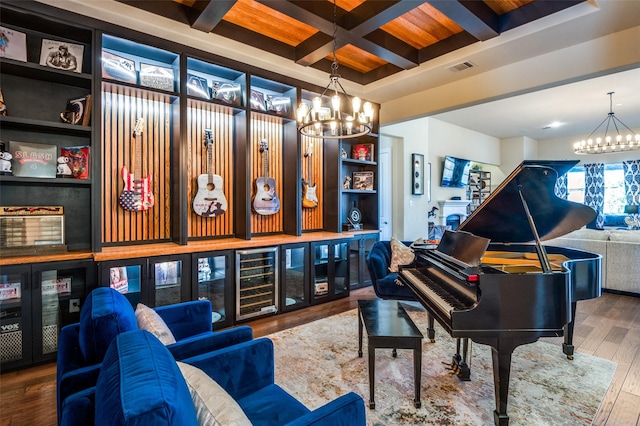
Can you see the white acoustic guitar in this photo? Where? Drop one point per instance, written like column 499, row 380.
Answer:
column 209, row 200
column 309, row 197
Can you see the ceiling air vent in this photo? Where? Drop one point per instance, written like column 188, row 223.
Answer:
column 461, row 66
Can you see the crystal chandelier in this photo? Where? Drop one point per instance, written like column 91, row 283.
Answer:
column 317, row 121
column 607, row 144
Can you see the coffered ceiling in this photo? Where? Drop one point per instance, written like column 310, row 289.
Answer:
column 373, row 38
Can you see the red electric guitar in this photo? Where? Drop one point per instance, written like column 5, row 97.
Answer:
column 309, row 197
column 266, row 200
column 209, row 200
column 137, row 194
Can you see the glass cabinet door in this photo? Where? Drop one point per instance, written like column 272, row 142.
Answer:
column 295, row 277
column 320, row 287
column 167, row 277
column 127, row 277
column 213, row 281
column 15, row 317
column 341, row 268
column 59, row 292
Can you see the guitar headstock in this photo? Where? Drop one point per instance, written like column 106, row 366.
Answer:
column 208, row 138
column 263, row 145
column 137, row 128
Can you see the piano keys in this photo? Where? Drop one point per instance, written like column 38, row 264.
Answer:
column 484, row 283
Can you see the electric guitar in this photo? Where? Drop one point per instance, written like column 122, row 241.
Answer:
column 137, row 194
column 309, row 197
column 266, row 200
column 209, row 200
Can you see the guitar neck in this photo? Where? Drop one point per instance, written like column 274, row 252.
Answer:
column 210, row 162
column 265, row 160
column 137, row 164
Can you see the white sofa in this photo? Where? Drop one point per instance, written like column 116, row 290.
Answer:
column 620, row 250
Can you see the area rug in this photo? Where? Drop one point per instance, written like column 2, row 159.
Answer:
column 318, row 361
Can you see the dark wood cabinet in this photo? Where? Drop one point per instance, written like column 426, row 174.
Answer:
column 359, row 247
column 329, row 270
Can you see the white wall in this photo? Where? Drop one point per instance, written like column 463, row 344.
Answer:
column 434, row 139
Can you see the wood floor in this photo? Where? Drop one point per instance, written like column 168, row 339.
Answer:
column 607, row 327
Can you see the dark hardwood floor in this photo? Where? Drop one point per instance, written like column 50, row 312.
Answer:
column 607, row 327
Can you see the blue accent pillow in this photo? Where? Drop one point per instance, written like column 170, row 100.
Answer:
column 105, row 314
column 141, row 384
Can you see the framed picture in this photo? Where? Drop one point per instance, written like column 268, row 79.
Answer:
column 61, row 55
column 281, row 105
column 13, row 44
column 229, row 93
column 156, row 77
column 257, row 100
column 78, row 111
column 197, row 86
column 118, row 68
column 33, row 159
column 362, row 181
column 362, row 152
column 417, row 174
column 78, row 160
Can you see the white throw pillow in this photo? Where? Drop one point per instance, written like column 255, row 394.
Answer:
column 400, row 255
column 149, row 320
column 214, row 406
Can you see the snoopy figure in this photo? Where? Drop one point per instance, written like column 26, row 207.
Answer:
column 63, row 168
column 5, row 162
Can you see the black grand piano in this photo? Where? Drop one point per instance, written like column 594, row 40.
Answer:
column 494, row 282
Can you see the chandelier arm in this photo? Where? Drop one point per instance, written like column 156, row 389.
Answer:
column 625, row 126
column 596, row 129
column 342, row 88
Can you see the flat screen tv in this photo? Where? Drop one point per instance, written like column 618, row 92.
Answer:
column 455, row 172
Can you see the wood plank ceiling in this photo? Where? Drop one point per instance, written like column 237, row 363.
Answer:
column 373, row 38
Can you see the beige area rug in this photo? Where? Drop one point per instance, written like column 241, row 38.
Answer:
column 318, row 362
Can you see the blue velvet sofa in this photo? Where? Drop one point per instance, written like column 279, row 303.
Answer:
column 107, row 313
column 383, row 281
column 140, row 384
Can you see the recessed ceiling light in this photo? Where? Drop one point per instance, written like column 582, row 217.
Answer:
column 552, row 125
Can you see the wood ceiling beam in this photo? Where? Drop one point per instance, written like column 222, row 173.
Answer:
column 380, row 16
column 532, row 11
column 211, row 13
column 475, row 17
column 165, row 8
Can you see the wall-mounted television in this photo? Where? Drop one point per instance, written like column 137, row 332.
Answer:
column 455, row 172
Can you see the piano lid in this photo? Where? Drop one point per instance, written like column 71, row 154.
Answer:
column 502, row 218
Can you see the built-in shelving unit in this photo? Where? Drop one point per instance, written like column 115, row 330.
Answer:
column 478, row 189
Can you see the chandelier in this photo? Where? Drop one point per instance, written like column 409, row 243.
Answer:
column 332, row 122
column 607, row 144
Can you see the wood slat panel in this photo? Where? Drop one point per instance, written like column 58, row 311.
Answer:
column 218, row 118
column 122, row 107
column 269, row 128
column 312, row 218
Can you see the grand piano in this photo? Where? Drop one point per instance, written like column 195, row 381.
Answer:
column 494, row 282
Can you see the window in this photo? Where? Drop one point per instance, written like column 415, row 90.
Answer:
column 614, row 197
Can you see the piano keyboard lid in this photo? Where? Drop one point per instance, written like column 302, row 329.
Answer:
column 502, row 217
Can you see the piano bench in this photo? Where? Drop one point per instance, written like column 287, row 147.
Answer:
column 388, row 326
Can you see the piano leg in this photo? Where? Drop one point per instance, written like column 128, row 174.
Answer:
column 431, row 331
column 567, row 346
column 459, row 365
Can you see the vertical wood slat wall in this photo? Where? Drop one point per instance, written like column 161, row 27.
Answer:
column 220, row 120
column 312, row 218
column 269, row 128
column 122, row 106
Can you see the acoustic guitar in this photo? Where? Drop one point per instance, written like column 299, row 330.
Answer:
column 137, row 194
column 309, row 197
column 209, row 200
column 266, row 201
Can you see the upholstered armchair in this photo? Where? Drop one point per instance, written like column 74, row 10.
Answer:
column 141, row 383
column 384, row 281
column 186, row 329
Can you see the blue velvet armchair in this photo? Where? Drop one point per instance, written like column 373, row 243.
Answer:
column 382, row 280
column 107, row 313
column 139, row 383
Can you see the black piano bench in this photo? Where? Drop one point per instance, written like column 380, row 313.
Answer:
column 388, row 326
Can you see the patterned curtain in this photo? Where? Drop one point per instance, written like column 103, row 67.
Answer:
column 632, row 183
column 561, row 189
column 594, row 191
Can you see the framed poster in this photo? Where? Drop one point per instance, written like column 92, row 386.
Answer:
column 33, row 159
column 362, row 152
column 257, row 100
column 156, row 77
column 78, row 111
column 229, row 93
column 13, row 44
column 118, row 68
column 78, row 160
column 197, row 86
column 61, row 55
column 281, row 105
column 363, row 181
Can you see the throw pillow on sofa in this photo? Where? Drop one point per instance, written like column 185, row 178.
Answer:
column 400, row 255
column 214, row 406
column 149, row 320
